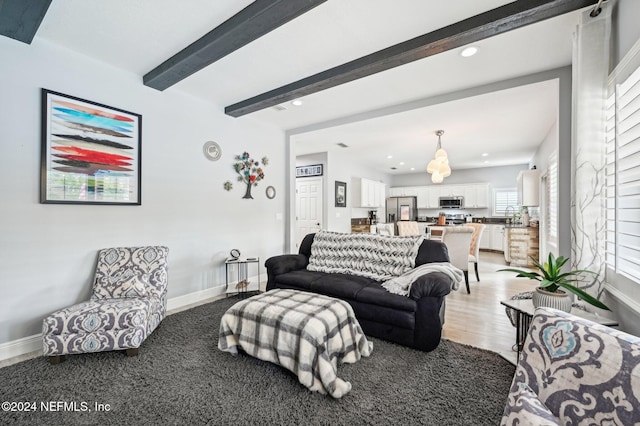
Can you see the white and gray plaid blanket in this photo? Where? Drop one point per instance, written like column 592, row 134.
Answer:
column 308, row 334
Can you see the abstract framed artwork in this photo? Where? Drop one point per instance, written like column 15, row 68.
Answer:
column 341, row 194
column 91, row 153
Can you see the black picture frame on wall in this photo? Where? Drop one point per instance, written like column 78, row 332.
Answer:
column 91, row 153
column 341, row 194
column 308, row 171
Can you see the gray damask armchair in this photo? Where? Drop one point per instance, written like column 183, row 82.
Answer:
column 575, row 372
column 129, row 300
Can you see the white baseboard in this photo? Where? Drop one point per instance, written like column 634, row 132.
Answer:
column 20, row 347
column 179, row 302
column 26, row 345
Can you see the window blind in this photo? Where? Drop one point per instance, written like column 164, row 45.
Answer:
column 504, row 199
column 623, row 178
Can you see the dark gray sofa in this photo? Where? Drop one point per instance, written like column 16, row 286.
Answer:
column 414, row 321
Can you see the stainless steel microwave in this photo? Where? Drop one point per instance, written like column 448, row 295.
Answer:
column 451, row 202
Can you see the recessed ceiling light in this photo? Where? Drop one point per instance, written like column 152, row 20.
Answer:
column 486, row 161
column 389, row 156
column 402, row 163
column 413, row 168
column 469, row 51
column 484, row 154
column 297, row 102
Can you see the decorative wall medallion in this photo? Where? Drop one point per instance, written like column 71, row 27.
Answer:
column 249, row 171
column 212, row 150
column 235, row 254
column 271, row 192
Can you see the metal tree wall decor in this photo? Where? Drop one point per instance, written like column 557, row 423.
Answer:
column 249, row 171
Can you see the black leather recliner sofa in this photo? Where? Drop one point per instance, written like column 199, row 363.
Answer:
column 415, row 321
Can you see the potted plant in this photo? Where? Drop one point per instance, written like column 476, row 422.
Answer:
column 551, row 279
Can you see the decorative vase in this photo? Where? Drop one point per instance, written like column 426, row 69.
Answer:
column 247, row 194
column 560, row 300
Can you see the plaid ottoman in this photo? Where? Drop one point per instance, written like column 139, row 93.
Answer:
column 306, row 333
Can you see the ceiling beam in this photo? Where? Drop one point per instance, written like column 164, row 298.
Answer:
column 251, row 23
column 488, row 24
column 20, row 19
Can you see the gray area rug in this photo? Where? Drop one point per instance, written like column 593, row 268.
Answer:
column 180, row 377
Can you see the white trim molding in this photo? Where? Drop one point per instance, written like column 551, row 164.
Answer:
column 623, row 298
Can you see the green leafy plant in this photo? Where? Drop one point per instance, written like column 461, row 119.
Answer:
column 551, row 278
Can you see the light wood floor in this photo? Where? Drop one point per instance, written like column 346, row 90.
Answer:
column 478, row 319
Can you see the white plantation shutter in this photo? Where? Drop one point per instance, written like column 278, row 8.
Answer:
column 623, row 178
column 504, row 198
column 551, row 214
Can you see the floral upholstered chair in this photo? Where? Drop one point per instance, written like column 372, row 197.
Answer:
column 129, row 300
column 574, row 371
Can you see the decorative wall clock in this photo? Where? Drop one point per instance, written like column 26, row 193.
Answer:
column 212, row 150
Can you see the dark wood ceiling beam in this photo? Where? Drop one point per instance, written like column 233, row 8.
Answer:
column 20, row 19
column 251, row 23
column 497, row 21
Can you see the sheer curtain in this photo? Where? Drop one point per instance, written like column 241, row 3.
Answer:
column 590, row 71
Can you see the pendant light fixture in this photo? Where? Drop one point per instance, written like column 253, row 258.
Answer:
column 439, row 166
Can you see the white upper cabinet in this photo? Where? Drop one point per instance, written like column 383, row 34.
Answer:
column 423, row 197
column 476, row 195
column 368, row 193
column 529, row 188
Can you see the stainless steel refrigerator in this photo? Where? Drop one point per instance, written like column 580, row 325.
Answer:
column 401, row 208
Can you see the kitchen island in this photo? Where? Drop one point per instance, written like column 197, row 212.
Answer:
column 523, row 243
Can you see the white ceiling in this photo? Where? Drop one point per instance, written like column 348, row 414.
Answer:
column 139, row 35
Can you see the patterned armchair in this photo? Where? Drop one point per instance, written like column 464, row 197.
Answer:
column 129, row 300
column 574, row 371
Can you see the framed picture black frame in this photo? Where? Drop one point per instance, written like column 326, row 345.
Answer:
column 341, row 194
column 307, row 171
column 91, row 153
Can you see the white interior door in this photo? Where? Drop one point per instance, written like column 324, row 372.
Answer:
column 308, row 207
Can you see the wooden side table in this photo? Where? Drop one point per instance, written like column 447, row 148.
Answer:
column 524, row 313
column 240, row 284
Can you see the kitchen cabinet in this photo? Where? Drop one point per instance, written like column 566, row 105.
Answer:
column 497, row 238
column 486, row 240
column 476, row 195
column 368, row 193
column 433, row 197
column 422, row 192
column 492, row 238
column 529, row 188
column 403, row 191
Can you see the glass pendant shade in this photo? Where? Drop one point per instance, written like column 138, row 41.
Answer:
column 439, row 166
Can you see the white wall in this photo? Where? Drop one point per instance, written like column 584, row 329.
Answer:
column 48, row 251
column 341, row 166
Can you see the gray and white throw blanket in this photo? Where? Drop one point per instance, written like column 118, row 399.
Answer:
column 402, row 284
column 306, row 333
column 379, row 257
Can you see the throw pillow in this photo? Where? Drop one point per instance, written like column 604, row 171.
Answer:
column 528, row 410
